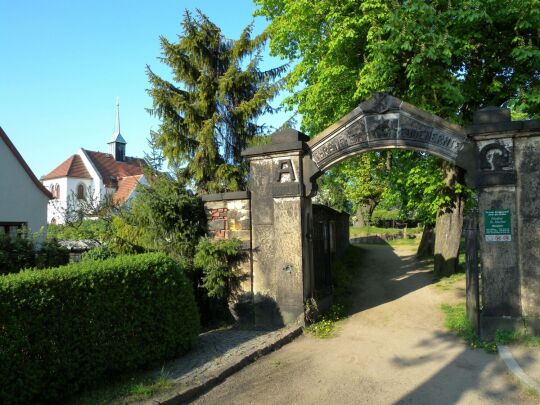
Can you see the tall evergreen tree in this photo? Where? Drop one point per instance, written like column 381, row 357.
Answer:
column 209, row 112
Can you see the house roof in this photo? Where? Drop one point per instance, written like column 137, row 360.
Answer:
column 71, row 167
column 112, row 170
column 23, row 164
column 126, row 185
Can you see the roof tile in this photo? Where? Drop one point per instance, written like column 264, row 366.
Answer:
column 71, row 167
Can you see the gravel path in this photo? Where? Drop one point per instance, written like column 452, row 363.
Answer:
column 393, row 349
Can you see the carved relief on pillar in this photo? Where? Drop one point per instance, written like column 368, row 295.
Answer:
column 286, row 178
column 496, row 162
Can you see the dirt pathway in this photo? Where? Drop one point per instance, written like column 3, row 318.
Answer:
column 394, row 349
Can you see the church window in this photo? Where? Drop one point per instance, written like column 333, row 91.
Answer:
column 80, row 192
column 57, row 191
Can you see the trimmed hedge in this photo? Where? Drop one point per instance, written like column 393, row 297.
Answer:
column 65, row 328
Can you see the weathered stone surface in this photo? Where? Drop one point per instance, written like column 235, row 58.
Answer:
column 500, row 272
column 385, row 122
column 527, row 153
column 491, row 115
column 216, row 225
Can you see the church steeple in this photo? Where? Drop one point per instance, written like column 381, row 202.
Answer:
column 117, row 144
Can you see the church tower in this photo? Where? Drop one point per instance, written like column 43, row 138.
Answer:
column 117, row 144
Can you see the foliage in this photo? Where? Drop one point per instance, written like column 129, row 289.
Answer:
column 208, row 112
column 510, row 336
column 164, row 217
column 97, row 229
column 126, row 389
column 23, row 251
column 76, row 209
column 98, row 253
column 217, row 259
column 327, row 325
column 455, row 319
column 374, row 230
column 51, row 254
column 101, row 317
column 359, row 181
column 448, row 58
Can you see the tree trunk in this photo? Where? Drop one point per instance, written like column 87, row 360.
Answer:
column 364, row 212
column 448, row 226
column 427, row 243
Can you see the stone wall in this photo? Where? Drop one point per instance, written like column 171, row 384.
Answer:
column 229, row 216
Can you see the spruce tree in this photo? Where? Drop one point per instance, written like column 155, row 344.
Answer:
column 209, row 111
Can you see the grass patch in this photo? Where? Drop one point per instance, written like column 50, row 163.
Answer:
column 507, row 337
column 447, row 283
column 404, row 242
column 455, row 319
column 374, row 230
column 136, row 387
column 327, row 325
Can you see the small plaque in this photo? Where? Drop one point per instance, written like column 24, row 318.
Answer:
column 497, row 225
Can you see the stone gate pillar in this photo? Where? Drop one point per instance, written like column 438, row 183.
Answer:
column 508, row 181
column 280, row 217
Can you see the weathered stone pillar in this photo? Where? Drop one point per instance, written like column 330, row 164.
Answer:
column 508, row 182
column 280, row 212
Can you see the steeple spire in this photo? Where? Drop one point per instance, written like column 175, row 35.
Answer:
column 117, row 144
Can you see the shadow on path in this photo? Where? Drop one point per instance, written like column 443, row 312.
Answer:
column 385, row 276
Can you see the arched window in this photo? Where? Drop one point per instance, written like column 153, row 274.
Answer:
column 57, row 191
column 80, row 192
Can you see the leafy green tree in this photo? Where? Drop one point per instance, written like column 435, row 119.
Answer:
column 356, row 185
column 208, row 112
column 449, row 58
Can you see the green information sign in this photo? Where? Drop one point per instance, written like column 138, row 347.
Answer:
column 497, row 225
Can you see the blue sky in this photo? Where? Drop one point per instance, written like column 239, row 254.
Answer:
column 65, row 62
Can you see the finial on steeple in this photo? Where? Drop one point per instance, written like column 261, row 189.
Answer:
column 117, row 122
column 117, row 144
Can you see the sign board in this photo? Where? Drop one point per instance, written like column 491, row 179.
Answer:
column 497, row 225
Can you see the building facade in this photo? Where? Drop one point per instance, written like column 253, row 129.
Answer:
column 23, row 199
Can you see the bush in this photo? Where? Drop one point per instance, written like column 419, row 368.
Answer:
column 51, row 254
column 20, row 252
column 217, row 260
column 16, row 253
column 65, row 328
column 98, row 253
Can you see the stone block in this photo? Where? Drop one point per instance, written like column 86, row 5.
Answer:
column 217, row 225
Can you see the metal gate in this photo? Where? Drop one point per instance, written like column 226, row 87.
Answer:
column 470, row 228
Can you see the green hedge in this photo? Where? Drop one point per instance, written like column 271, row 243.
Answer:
column 65, row 328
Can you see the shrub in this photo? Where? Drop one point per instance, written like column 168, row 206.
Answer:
column 51, row 254
column 217, row 260
column 65, row 328
column 20, row 252
column 98, row 253
column 16, row 253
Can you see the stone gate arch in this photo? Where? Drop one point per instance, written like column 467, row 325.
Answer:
column 501, row 159
column 385, row 122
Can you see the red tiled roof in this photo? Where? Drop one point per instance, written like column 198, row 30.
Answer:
column 108, row 167
column 71, row 167
column 126, row 185
column 15, row 152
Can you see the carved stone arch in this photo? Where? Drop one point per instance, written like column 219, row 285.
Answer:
column 385, row 122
